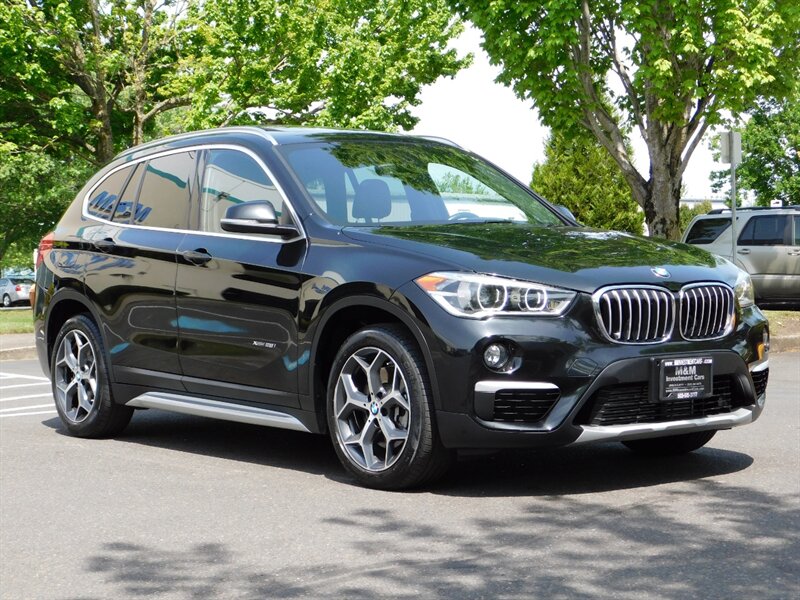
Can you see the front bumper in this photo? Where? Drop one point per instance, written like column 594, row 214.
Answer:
column 570, row 354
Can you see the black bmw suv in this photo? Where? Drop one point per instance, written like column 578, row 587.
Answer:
column 399, row 293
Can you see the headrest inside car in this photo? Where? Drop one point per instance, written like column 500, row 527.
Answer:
column 372, row 200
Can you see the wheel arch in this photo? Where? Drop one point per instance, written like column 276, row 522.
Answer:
column 65, row 305
column 343, row 318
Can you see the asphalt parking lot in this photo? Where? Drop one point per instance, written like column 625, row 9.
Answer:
column 185, row 507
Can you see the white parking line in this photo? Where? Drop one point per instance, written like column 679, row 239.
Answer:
column 28, row 414
column 8, row 410
column 26, row 397
column 19, row 385
column 15, row 375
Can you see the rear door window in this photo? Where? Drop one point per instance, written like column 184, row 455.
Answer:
column 766, row 230
column 166, row 191
column 706, row 231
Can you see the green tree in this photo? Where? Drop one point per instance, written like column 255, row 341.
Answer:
column 687, row 214
column 669, row 67
column 93, row 76
column 578, row 173
column 770, row 164
column 35, row 188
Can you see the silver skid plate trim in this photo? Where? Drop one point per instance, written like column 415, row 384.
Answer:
column 597, row 433
column 226, row 411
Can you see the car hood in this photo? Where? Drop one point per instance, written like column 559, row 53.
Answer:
column 573, row 257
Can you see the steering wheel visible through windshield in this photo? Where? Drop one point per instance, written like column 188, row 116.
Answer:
column 398, row 182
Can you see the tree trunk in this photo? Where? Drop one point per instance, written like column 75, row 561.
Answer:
column 661, row 205
column 104, row 151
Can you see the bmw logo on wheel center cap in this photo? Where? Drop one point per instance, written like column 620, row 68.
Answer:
column 373, row 408
column 660, row 272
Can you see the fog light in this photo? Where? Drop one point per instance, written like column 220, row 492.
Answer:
column 495, row 356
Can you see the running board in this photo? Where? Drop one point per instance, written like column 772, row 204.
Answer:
column 201, row 407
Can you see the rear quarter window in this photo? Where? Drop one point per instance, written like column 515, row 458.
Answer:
column 706, row 231
column 105, row 195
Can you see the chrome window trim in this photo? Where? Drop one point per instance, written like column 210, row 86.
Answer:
column 731, row 314
column 614, row 288
column 199, row 147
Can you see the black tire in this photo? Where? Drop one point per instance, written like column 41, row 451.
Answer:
column 422, row 458
column 104, row 418
column 6, row 300
column 671, row 445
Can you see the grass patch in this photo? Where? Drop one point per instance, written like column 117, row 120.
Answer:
column 16, row 321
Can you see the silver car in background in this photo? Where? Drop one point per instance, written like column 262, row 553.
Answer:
column 15, row 290
column 767, row 247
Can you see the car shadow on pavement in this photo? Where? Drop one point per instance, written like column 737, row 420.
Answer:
column 542, row 472
column 265, row 446
column 704, row 539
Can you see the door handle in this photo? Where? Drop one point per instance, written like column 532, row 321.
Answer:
column 104, row 245
column 743, row 251
column 198, row 257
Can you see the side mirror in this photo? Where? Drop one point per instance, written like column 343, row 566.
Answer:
column 565, row 211
column 257, row 216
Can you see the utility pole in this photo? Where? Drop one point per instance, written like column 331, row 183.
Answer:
column 730, row 143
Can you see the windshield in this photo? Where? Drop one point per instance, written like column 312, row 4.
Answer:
column 394, row 182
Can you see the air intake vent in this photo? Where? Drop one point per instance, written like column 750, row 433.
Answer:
column 635, row 315
column 523, row 406
column 706, row 311
column 760, row 381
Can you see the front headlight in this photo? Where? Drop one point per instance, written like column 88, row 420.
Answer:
column 477, row 296
column 744, row 290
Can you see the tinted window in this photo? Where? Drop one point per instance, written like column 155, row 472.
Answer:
column 706, row 231
column 124, row 208
column 797, row 231
column 396, row 182
column 21, row 281
column 105, row 195
column 766, row 230
column 166, row 191
column 232, row 177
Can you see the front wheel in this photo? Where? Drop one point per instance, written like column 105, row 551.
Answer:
column 80, row 382
column 380, row 413
column 6, row 300
column 671, row 445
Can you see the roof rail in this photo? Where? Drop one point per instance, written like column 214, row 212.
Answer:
column 438, row 138
column 718, row 211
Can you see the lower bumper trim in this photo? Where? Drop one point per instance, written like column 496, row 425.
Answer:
column 597, row 433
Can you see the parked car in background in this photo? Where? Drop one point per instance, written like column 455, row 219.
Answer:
column 400, row 294
column 15, row 290
column 767, row 247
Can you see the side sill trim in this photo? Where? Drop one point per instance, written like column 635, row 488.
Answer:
column 596, row 433
column 226, row 411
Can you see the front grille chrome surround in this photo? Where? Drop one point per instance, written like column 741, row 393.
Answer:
column 645, row 314
column 635, row 314
column 707, row 311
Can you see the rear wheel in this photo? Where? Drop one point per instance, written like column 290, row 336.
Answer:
column 80, row 382
column 380, row 413
column 674, row 444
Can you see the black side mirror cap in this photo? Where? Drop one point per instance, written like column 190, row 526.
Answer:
column 257, row 216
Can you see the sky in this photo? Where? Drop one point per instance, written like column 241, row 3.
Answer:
column 488, row 119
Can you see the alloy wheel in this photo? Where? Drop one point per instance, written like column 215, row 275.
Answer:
column 76, row 376
column 372, row 409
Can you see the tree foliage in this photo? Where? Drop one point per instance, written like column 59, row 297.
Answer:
column 93, row 75
column 579, row 174
column 35, row 188
column 669, row 67
column 770, row 164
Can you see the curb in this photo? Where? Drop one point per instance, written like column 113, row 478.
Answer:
column 786, row 343
column 21, row 353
